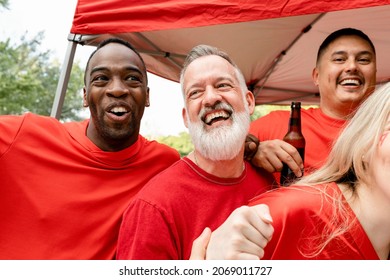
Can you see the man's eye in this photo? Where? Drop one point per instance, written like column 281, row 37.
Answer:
column 134, row 78
column 100, row 78
column 193, row 93
column 364, row 60
column 338, row 59
column 224, row 86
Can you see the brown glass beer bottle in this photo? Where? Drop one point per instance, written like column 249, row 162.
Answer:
column 294, row 137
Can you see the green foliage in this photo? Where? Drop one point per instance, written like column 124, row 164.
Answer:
column 181, row 143
column 28, row 80
column 4, row 4
column 262, row 110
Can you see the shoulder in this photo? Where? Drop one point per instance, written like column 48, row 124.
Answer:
column 159, row 148
column 30, row 122
column 29, row 118
column 292, row 200
column 77, row 126
column 260, row 176
column 317, row 116
column 270, row 126
column 278, row 114
column 165, row 190
column 295, row 208
column 168, row 175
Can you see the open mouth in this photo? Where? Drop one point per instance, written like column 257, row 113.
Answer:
column 118, row 111
column 351, row 82
column 216, row 116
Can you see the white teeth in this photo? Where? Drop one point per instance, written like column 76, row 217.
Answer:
column 350, row 82
column 118, row 110
column 219, row 114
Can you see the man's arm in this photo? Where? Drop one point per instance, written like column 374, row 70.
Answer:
column 271, row 154
column 243, row 236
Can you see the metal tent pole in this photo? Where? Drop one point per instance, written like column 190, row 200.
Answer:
column 63, row 80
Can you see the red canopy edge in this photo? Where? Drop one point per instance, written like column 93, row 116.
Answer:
column 118, row 16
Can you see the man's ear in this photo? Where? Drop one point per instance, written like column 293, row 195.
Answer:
column 147, row 100
column 184, row 116
column 85, row 100
column 250, row 98
column 314, row 76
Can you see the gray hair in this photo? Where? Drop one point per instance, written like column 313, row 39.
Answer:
column 205, row 50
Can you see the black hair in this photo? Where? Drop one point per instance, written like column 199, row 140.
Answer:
column 339, row 33
column 117, row 41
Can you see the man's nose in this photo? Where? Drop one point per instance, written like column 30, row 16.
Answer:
column 117, row 88
column 351, row 65
column 211, row 96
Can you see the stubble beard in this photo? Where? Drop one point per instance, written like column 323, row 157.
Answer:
column 113, row 132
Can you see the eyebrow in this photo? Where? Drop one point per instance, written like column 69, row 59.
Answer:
column 359, row 53
column 217, row 80
column 104, row 68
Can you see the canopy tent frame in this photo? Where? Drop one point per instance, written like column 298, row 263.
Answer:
column 164, row 40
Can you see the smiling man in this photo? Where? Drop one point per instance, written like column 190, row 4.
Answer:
column 116, row 92
column 345, row 74
column 65, row 186
column 202, row 189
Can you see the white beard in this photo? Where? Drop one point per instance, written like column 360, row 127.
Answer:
column 223, row 142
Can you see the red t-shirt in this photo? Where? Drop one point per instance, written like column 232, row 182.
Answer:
column 300, row 215
column 319, row 131
column 175, row 207
column 61, row 196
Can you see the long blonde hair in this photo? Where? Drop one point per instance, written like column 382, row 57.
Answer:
column 349, row 160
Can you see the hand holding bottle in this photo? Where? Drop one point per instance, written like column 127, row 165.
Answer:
column 272, row 154
column 295, row 138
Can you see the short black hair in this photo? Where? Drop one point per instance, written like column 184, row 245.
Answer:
column 340, row 33
column 117, row 41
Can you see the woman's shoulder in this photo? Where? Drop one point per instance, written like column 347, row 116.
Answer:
column 297, row 197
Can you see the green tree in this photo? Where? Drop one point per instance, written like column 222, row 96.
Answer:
column 262, row 110
column 28, row 80
column 181, row 143
column 4, row 3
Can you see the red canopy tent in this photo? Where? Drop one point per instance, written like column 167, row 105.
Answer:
column 274, row 42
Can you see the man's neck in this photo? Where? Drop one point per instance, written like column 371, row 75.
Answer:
column 106, row 144
column 231, row 168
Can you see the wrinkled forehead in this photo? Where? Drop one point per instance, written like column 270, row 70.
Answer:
column 116, row 54
column 209, row 66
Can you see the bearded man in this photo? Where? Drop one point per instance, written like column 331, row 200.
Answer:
column 202, row 189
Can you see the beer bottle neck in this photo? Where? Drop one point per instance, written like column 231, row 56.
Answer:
column 294, row 124
column 295, row 119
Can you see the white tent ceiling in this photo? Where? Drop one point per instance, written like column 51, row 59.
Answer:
column 276, row 55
